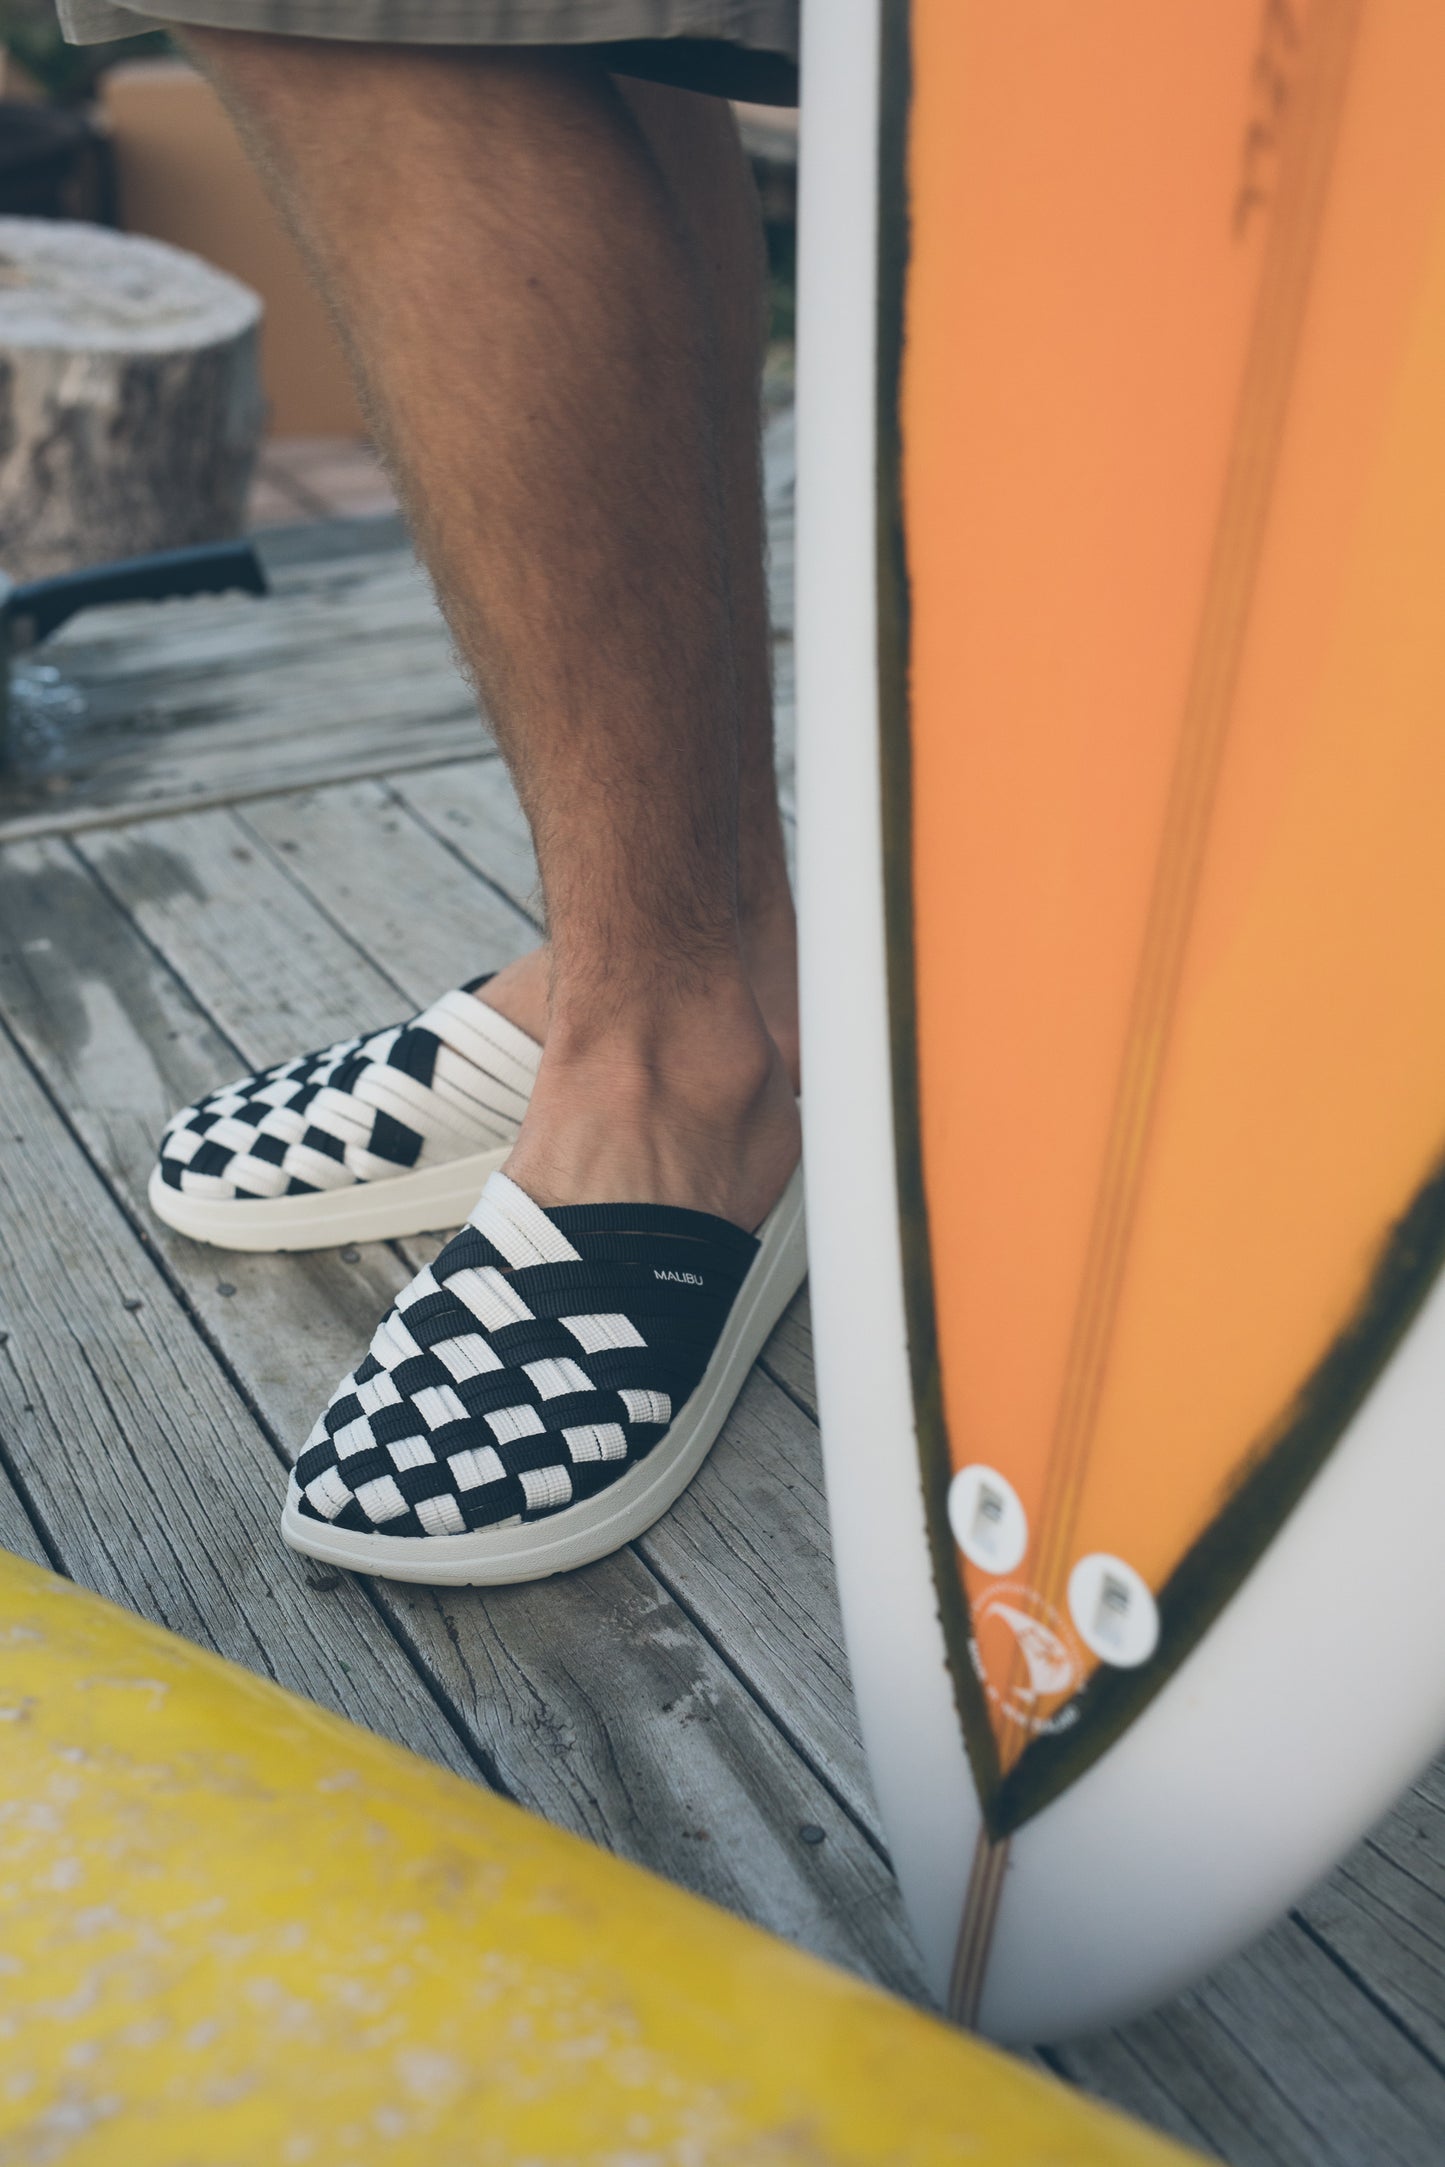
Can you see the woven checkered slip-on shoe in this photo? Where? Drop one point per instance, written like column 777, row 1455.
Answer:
column 542, row 1393
column 367, row 1140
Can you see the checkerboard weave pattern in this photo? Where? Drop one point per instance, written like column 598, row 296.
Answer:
column 541, row 1356
column 453, row 1081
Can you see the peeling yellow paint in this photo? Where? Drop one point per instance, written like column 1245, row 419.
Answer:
column 238, row 1932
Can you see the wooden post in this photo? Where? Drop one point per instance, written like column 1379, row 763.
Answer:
column 130, row 400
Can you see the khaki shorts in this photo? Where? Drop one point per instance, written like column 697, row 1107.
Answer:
column 734, row 48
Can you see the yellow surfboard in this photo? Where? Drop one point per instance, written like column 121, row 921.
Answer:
column 1149, row 807
column 235, row 1928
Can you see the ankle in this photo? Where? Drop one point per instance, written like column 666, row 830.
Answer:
column 707, row 1044
column 674, row 1102
column 520, row 991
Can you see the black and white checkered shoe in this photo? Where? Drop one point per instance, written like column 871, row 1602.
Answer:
column 367, row 1140
column 543, row 1392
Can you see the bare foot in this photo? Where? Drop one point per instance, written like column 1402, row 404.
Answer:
column 689, row 1104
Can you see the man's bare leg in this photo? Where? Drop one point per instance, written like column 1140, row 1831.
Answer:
column 695, row 142
column 519, row 292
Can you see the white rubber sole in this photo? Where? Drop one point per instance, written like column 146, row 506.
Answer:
column 429, row 1202
column 580, row 1534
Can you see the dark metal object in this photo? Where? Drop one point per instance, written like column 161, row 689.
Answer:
column 55, row 163
column 30, row 612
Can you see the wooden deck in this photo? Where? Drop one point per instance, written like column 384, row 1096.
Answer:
column 245, row 828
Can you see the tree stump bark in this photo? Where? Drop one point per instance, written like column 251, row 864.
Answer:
column 130, row 397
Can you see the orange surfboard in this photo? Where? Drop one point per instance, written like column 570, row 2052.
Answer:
column 1149, row 763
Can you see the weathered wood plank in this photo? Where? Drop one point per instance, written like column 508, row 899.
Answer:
column 130, row 711
column 746, row 1549
column 653, row 1714
column 788, row 1356
column 415, row 907
column 305, row 543
column 472, row 807
column 1383, row 1914
column 1276, row 2061
column 283, row 979
column 1159, row 2084
column 121, row 1044
column 147, row 1470
column 603, row 1707
column 18, row 1532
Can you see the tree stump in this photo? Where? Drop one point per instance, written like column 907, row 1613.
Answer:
column 130, row 397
